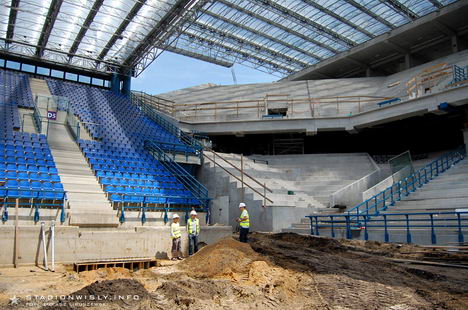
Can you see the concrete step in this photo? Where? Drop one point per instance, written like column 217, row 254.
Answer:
column 89, row 206
column 39, row 86
column 435, row 201
column 26, row 120
column 436, row 193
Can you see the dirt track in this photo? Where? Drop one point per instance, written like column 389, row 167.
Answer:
column 279, row 271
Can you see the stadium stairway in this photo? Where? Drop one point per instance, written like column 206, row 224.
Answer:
column 297, row 188
column 445, row 193
column 88, row 205
column 87, row 202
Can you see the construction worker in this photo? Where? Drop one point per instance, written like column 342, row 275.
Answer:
column 244, row 222
column 175, row 235
column 193, row 228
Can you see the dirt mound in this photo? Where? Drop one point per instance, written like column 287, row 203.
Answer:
column 121, row 292
column 226, row 257
column 318, row 243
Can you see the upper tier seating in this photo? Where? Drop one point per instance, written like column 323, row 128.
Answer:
column 27, row 168
column 15, row 88
column 127, row 172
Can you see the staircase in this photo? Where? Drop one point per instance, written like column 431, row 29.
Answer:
column 446, row 193
column 299, row 184
column 87, row 202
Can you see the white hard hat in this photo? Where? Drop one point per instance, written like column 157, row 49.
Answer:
column 242, row 205
column 175, row 216
column 193, row 212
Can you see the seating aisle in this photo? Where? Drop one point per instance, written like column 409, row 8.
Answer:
column 126, row 171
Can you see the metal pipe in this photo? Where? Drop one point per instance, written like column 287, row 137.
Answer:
column 52, row 237
column 44, row 245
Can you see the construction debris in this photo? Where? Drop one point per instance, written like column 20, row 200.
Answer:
column 273, row 271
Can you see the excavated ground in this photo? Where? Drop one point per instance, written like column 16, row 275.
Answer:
column 273, row 271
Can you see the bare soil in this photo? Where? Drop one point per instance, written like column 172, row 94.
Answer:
column 273, row 271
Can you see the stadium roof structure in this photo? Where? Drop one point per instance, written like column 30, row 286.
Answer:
column 278, row 36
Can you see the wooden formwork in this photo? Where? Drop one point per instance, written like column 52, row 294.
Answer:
column 131, row 264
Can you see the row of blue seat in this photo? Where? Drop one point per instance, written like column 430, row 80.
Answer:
column 30, row 168
column 33, row 176
column 142, row 183
column 122, row 130
column 41, row 161
column 119, row 157
column 122, row 163
column 135, row 170
column 164, row 176
column 16, row 89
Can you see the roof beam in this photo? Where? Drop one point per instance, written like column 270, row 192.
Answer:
column 262, row 34
column 436, row 3
column 12, row 19
column 89, row 19
column 48, row 25
column 284, row 28
column 165, row 23
column 284, row 11
column 238, row 52
column 399, row 7
column 199, row 56
column 371, row 14
column 397, row 47
column 256, row 46
column 339, row 18
column 118, row 33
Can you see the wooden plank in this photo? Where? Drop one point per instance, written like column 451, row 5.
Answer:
column 417, row 262
column 444, row 247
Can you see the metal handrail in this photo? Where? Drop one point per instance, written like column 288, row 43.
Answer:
column 241, row 179
column 150, row 111
column 36, row 206
column 192, row 184
column 393, row 193
column 347, row 222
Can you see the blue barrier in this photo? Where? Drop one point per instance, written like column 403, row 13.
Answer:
column 392, row 194
column 389, row 101
column 37, row 199
column 155, row 202
column 407, row 221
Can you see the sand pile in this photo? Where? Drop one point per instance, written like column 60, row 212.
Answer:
column 227, row 257
column 111, row 273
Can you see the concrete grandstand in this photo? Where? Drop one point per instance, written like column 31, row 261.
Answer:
column 362, row 137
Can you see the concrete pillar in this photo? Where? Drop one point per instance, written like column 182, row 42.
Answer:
column 127, row 85
column 115, row 83
column 465, row 137
column 408, row 61
column 454, row 41
column 368, row 72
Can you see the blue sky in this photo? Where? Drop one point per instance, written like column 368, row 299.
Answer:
column 172, row 71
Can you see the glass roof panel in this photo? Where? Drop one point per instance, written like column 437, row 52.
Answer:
column 273, row 35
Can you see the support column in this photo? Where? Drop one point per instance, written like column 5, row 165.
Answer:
column 115, row 83
column 454, row 41
column 408, row 61
column 126, row 85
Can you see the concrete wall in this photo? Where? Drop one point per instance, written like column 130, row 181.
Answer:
column 73, row 244
column 351, row 195
column 384, row 184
